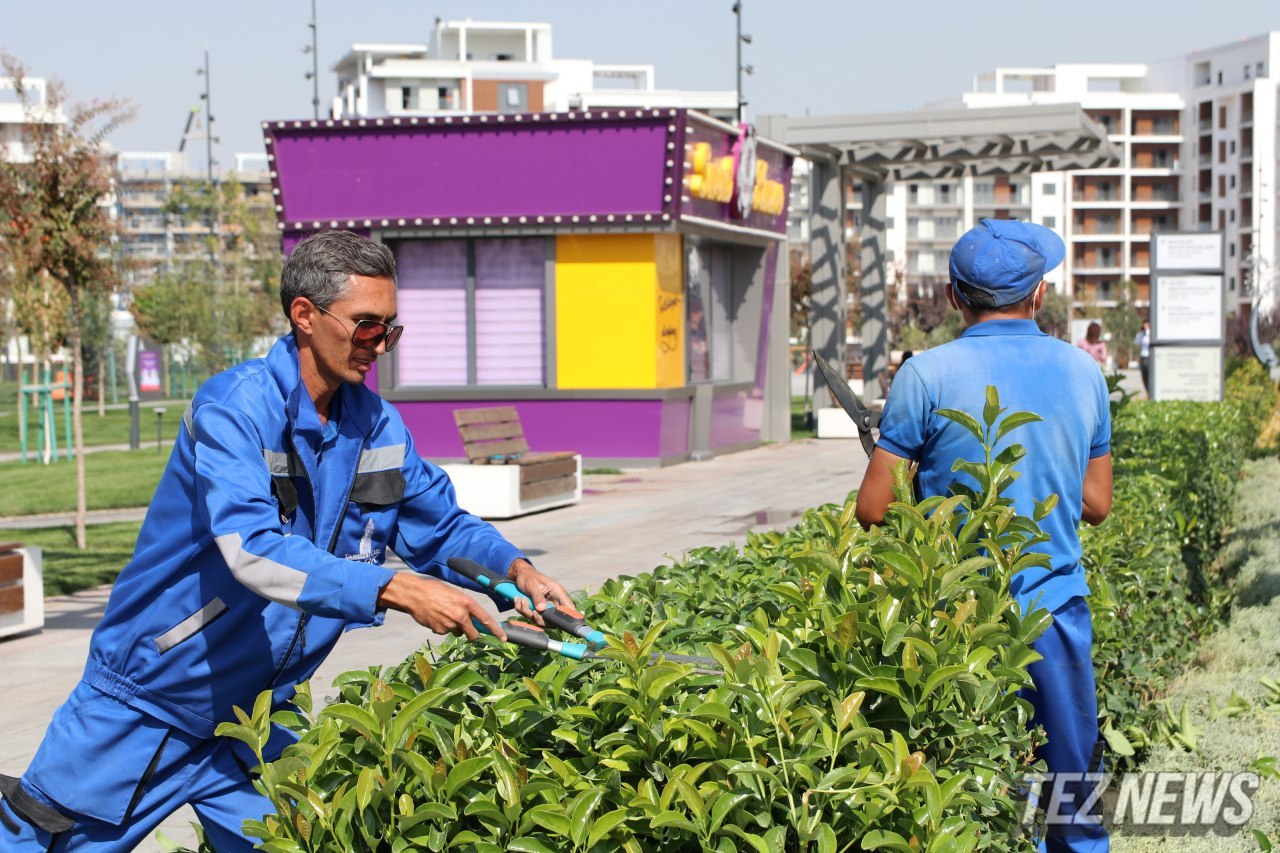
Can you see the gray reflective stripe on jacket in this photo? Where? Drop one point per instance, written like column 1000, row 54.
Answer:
column 270, row 579
column 381, row 458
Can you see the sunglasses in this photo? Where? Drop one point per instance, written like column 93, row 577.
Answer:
column 367, row 334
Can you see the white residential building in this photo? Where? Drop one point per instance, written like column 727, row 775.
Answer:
column 1231, row 181
column 1198, row 139
column 153, row 237
column 497, row 67
column 14, row 116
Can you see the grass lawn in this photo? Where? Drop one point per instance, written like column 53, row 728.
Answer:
column 799, row 429
column 115, row 479
column 66, row 569
column 110, row 428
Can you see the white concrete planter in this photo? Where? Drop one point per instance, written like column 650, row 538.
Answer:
column 21, row 591
column 507, row 491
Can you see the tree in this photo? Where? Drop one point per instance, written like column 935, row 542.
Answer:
column 1123, row 322
column 170, row 310
column 242, row 267
column 1054, row 316
column 54, row 228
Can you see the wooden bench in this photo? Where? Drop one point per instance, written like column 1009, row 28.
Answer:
column 21, row 590
column 503, row 478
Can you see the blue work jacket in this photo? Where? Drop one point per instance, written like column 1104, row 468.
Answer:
column 264, row 543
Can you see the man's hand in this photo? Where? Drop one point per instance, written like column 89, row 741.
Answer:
column 542, row 589
column 437, row 605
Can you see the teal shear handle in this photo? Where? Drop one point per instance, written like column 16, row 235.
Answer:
column 566, row 619
column 534, row 638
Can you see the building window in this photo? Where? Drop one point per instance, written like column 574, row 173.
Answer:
column 1050, row 222
column 513, row 97
column 1232, row 215
column 1222, row 185
column 406, row 97
column 1219, row 78
column 1233, row 182
column 1222, row 152
column 1051, row 188
column 1233, row 146
column 1222, row 115
column 1232, row 283
column 1231, row 250
column 474, row 311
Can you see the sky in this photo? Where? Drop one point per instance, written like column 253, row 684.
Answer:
column 818, row 57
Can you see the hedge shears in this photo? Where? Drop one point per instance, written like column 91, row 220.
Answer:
column 865, row 419
column 566, row 619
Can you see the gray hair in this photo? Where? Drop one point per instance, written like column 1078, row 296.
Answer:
column 321, row 266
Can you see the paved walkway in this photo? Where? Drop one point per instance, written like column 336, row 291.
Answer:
column 624, row 525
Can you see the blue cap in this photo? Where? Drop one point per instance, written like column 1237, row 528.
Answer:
column 1005, row 258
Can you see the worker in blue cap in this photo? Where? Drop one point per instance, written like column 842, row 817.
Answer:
column 997, row 283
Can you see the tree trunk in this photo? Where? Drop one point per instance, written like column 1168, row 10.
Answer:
column 164, row 367
column 77, row 423
column 102, row 382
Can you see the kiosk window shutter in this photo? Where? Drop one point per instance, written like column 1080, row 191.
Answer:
column 509, row 323
column 433, row 309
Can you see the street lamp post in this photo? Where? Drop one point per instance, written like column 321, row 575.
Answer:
column 743, row 38
column 314, row 74
column 208, row 148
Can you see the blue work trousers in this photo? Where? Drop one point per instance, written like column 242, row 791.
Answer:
column 117, row 773
column 1066, row 706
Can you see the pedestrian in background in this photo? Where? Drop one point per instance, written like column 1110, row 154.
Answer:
column 1094, row 344
column 1142, row 341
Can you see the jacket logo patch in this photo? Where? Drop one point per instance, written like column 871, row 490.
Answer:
column 367, row 553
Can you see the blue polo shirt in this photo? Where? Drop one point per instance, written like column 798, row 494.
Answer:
column 1033, row 372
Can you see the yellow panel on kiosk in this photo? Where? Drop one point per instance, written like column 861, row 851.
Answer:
column 669, row 260
column 605, row 311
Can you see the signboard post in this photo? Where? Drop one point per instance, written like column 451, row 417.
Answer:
column 1188, row 317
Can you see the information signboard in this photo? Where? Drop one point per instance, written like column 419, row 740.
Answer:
column 1186, row 373
column 148, row 371
column 1187, row 251
column 1187, row 309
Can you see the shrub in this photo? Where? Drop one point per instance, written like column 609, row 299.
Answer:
column 1152, row 565
column 869, row 700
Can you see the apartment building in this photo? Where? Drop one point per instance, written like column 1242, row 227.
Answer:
column 1106, row 215
column 151, row 235
column 1232, row 93
column 14, row 116
column 1198, row 137
column 498, row 67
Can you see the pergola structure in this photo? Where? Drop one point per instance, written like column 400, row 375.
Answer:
column 884, row 147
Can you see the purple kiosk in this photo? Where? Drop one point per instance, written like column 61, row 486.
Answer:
column 618, row 276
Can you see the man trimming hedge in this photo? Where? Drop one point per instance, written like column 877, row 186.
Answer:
column 997, row 283
column 265, row 541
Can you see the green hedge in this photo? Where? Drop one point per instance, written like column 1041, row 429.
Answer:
column 1157, row 588
column 869, row 701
